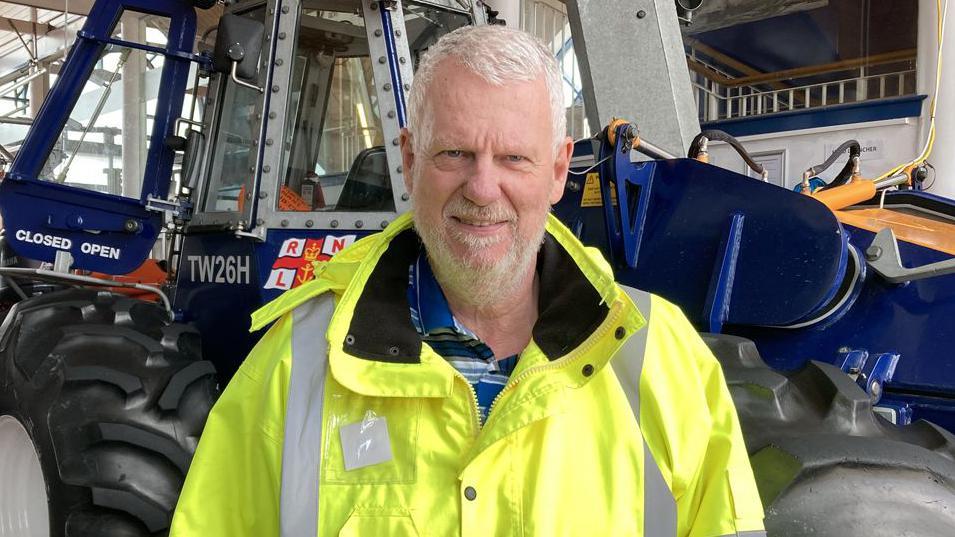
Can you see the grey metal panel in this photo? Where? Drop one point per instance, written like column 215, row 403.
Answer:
column 635, row 68
column 301, row 448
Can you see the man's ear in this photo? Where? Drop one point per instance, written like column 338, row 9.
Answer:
column 561, row 164
column 407, row 157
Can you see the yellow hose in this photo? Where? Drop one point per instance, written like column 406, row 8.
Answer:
column 930, row 142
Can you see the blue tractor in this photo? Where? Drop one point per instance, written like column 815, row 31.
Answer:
column 287, row 152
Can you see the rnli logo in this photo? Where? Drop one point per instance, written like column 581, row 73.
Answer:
column 297, row 258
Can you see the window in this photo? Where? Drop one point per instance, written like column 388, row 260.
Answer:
column 235, row 149
column 103, row 145
column 334, row 148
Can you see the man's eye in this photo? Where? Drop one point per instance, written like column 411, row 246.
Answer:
column 453, row 153
column 515, row 158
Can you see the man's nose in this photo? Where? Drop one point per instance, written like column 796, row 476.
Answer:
column 482, row 186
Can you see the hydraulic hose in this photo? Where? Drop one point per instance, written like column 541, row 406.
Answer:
column 854, row 151
column 697, row 145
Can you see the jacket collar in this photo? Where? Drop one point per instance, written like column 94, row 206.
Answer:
column 372, row 338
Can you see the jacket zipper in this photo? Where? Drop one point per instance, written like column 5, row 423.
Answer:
column 560, row 363
column 475, row 412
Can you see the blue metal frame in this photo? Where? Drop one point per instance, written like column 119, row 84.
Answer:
column 43, row 217
column 392, row 52
column 792, row 265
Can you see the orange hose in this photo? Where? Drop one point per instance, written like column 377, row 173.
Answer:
column 843, row 196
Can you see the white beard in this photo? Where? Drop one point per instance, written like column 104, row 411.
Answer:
column 479, row 281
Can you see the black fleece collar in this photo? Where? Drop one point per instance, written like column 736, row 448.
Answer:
column 569, row 307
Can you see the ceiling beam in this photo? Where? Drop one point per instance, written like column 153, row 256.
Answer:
column 715, row 14
column 77, row 7
column 25, row 27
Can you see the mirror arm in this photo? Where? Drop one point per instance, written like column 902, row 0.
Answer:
column 235, row 78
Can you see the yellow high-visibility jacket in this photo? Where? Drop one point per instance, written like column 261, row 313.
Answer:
column 616, row 422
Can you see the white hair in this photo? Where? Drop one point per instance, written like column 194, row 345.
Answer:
column 497, row 54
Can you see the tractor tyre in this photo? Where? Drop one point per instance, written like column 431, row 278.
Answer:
column 825, row 463
column 105, row 398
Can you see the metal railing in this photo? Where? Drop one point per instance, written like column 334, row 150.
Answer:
column 716, row 102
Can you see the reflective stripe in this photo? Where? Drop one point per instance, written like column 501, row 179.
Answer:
column 302, row 447
column 659, row 506
column 751, row 533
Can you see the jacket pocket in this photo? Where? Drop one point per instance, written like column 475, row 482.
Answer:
column 379, row 522
column 401, row 418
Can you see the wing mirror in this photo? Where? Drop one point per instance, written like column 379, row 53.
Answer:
column 237, row 50
column 685, row 9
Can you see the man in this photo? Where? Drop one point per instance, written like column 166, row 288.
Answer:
column 473, row 369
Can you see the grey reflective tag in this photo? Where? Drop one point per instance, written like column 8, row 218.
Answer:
column 365, row 442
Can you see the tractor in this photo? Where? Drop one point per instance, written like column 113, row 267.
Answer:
column 129, row 299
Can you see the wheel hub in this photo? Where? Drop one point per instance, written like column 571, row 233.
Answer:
column 23, row 502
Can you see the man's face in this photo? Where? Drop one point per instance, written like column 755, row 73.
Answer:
column 484, row 183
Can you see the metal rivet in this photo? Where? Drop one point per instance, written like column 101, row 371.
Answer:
column 284, row 223
column 470, row 493
column 255, row 143
column 284, row 9
column 398, row 33
column 398, row 169
column 391, row 114
column 873, row 252
column 259, row 221
column 272, row 115
column 387, row 86
column 279, row 61
column 619, row 332
column 252, row 169
column 268, row 37
column 374, row 6
column 402, row 60
column 587, row 370
column 407, row 87
column 641, row 14
column 333, row 223
column 309, row 223
column 263, row 195
column 394, row 142
column 405, row 197
column 271, row 11
column 382, row 59
column 275, row 89
column 258, row 115
column 384, row 224
column 248, row 195
column 281, row 35
column 393, row 351
column 359, row 224
column 573, row 186
column 266, row 169
column 349, row 339
column 268, row 141
column 377, row 33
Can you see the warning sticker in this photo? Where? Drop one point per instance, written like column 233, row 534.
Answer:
column 591, row 196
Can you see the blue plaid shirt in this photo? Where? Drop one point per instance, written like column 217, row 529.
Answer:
column 437, row 326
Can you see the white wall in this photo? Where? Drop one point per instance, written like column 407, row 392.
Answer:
column 943, row 156
column 885, row 144
column 509, row 10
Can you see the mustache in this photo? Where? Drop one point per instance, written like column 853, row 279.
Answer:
column 462, row 208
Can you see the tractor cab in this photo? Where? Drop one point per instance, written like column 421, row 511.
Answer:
column 239, row 155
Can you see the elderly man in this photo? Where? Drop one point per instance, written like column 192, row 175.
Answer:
column 473, row 369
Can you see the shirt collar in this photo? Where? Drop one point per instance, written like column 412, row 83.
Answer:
column 429, row 307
